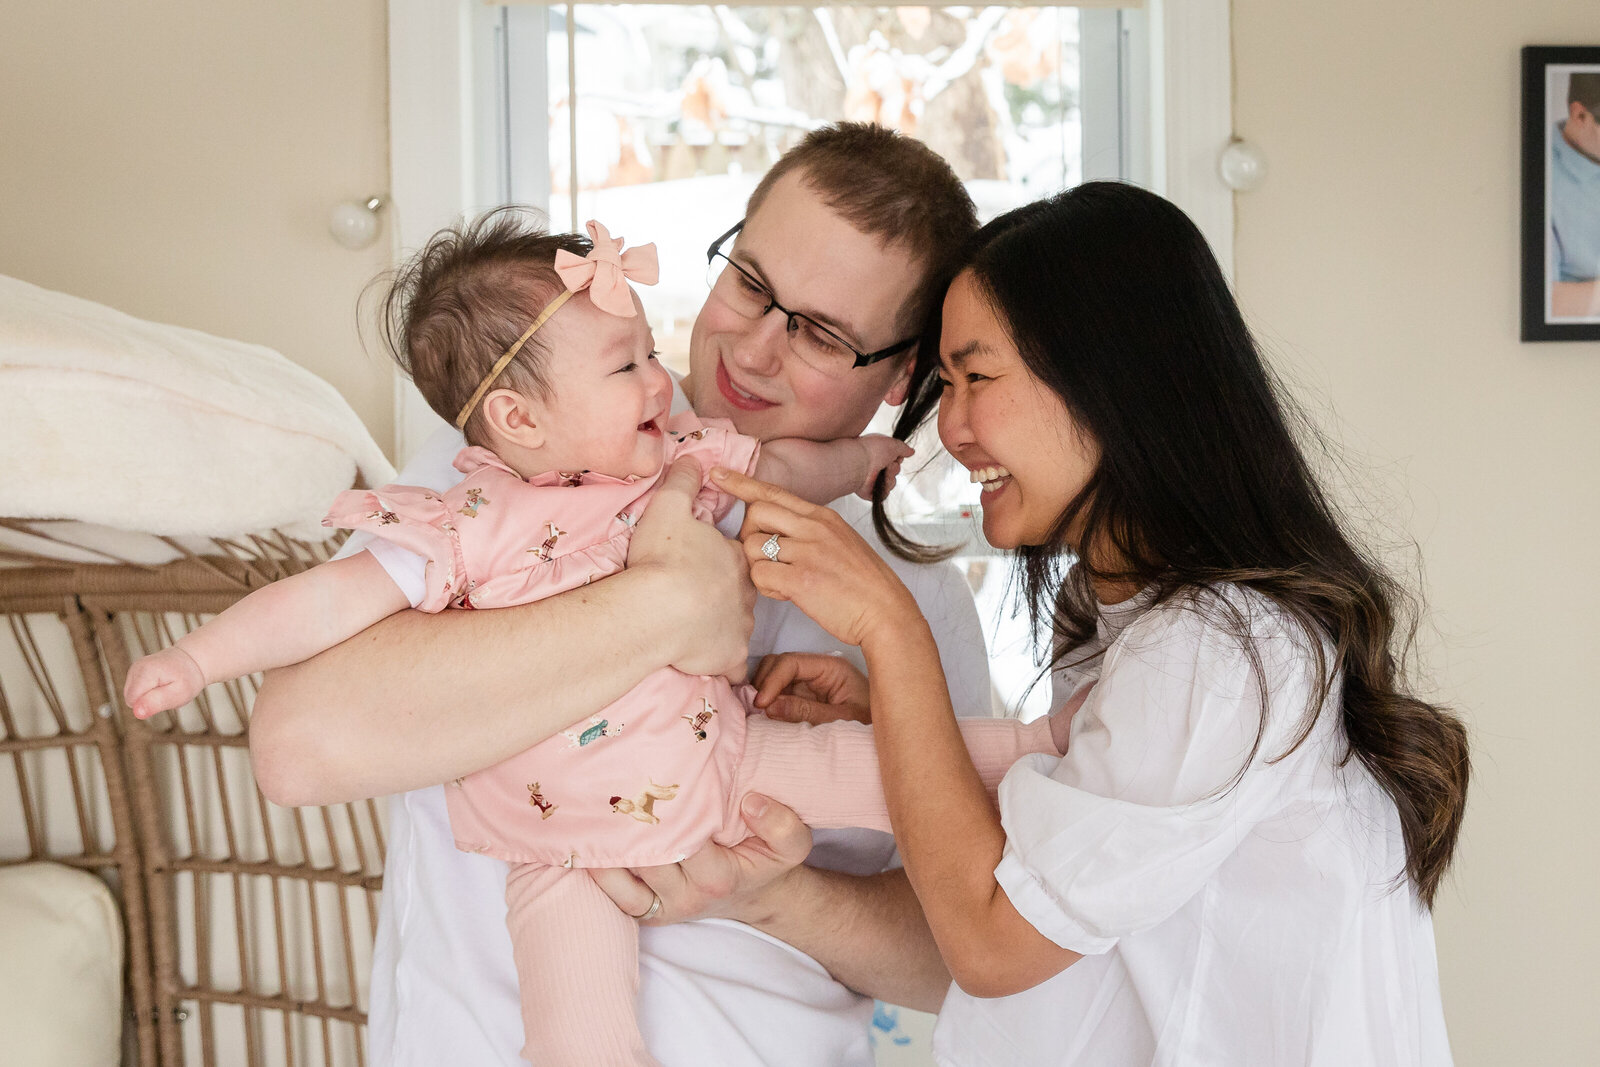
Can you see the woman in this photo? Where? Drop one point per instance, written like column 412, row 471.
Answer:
column 1233, row 862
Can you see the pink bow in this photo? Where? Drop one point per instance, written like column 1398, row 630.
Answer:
column 606, row 271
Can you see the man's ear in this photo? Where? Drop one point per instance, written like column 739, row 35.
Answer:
column 514, row 417
column 902, row 380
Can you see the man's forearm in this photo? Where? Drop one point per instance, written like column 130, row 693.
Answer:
column 818, row 471
column 868, row 932
column 420, row 699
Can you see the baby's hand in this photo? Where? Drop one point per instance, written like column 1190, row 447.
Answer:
column 882, row 454
column 163, row 681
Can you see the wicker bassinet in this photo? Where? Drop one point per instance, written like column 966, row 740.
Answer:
column 249, row 927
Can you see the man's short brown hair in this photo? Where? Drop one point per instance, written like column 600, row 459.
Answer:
column 1583, row 87
column 892, row 187
column 457, row 305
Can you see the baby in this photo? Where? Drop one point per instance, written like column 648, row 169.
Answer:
column 535, row 345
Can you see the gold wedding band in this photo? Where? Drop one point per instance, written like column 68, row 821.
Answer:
column 653, row 910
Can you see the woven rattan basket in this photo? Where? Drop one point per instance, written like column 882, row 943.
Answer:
column 249, row 927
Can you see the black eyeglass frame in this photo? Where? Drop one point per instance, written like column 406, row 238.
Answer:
column 863, row 359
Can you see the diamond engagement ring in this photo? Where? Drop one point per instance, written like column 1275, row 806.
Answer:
column 769, row 548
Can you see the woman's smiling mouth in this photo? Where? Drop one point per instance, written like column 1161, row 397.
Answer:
column 993, row 479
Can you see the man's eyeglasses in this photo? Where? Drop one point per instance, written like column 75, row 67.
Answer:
column 815, row 344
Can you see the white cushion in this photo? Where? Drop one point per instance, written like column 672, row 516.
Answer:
column 60, row 968
column 112, row 420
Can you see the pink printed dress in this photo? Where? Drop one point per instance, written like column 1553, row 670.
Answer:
column 649, row 779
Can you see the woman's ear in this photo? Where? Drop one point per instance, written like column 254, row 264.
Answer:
column 514, row 417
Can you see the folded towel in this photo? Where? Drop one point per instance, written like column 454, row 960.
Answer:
column 108, row 419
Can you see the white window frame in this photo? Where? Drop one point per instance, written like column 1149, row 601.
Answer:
column 438, row 111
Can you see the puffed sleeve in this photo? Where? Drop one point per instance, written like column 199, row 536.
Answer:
column 415, row 519
column 713, row 443
column 1158, row 786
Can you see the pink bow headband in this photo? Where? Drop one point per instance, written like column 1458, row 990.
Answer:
column 605, row 272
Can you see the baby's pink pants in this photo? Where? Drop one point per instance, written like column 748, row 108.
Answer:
column 577, row 956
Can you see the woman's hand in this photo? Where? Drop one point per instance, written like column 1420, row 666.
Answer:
column 822, row 565
column 743, row 882
column 807, row 687
column 695, row 565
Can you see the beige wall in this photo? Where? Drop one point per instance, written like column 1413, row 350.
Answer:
column 178, row 160
column 1380, row 261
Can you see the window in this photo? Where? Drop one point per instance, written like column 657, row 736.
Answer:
column 681, row 109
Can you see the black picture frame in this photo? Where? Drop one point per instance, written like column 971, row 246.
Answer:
column 1540, row 322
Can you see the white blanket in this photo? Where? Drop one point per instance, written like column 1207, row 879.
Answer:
column 111, row 420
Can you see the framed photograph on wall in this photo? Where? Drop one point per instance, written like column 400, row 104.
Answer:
column 1561, row 194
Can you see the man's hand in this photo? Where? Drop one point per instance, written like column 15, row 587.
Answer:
column 807, row 687
column 703, row 578
column 743, row 882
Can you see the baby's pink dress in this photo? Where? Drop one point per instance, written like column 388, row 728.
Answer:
column 650, row 779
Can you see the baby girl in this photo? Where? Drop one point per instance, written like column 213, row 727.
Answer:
column 535, row 345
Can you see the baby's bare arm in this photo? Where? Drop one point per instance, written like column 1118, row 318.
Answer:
column 824, row 471
column 294, row 619
column 285, row 622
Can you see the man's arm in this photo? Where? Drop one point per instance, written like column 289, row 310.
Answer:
column 420, row 699
column 824, row 471
column 867, row 931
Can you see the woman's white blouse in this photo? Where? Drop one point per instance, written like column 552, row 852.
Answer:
column 1234, row 905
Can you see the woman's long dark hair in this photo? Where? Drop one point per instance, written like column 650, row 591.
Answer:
column 1117, row 305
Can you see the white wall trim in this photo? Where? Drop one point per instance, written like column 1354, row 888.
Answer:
column 1192, row 100
column 430, row 150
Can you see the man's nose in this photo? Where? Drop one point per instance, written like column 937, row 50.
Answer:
column 761, row 347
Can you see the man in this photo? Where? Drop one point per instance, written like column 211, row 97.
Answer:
column 1575, row 202
column 808, row 329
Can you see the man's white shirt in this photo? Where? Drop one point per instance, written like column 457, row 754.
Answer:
column 710, row 992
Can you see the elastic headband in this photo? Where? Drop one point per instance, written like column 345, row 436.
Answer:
column 505, row 360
